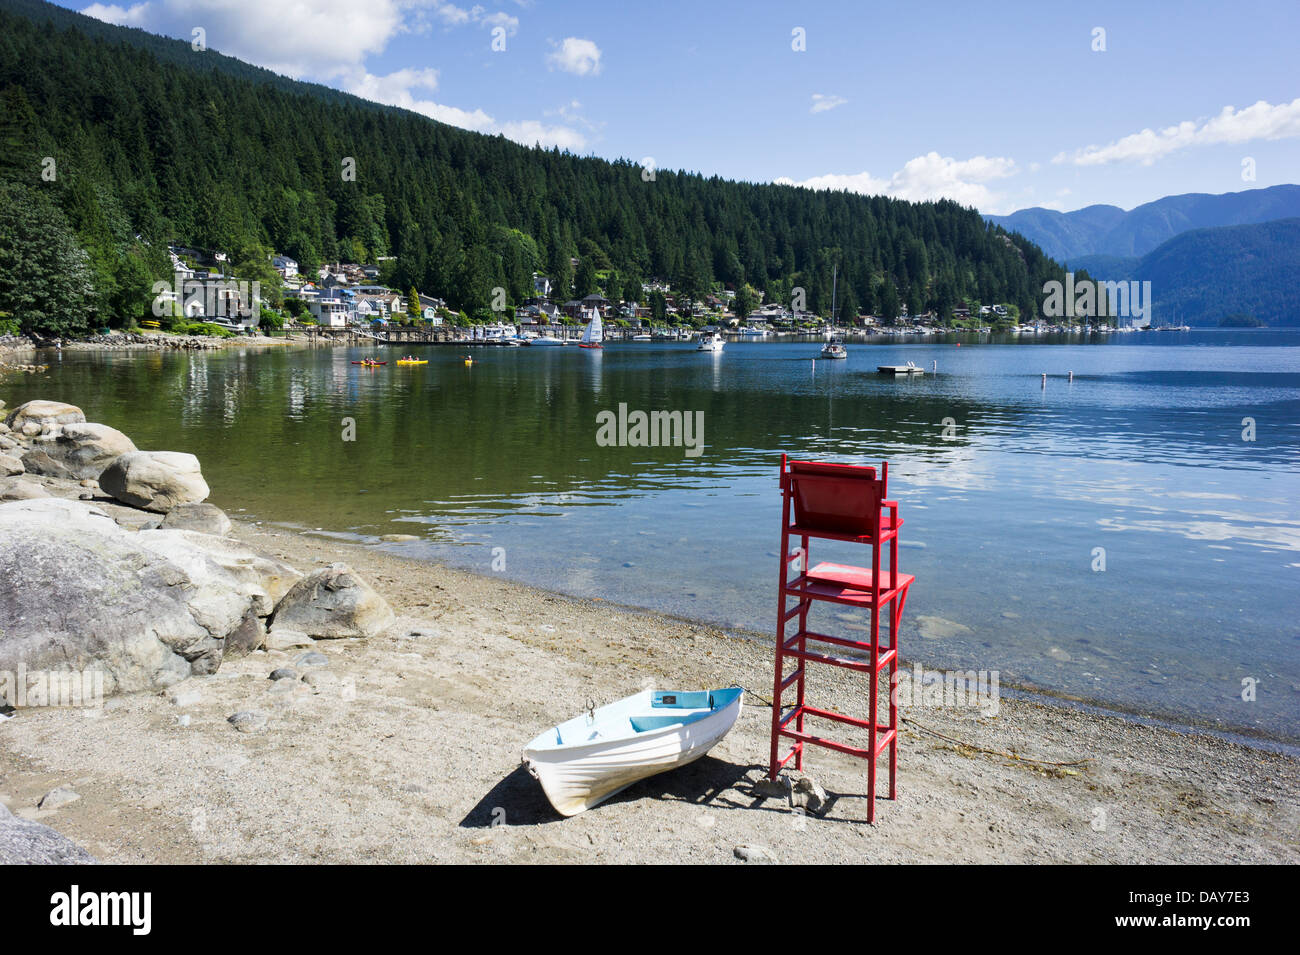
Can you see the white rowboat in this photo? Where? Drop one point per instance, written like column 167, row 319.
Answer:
column 591, row 757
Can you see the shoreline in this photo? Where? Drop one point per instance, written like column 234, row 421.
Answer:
column 1032, row 693
column 423, row 760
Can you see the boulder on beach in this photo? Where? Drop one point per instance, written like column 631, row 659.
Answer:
column 45, row 415
column 224, row 566
column 333, row 603
column 204, row 518
column 146, row 608
column 77, row 451
column 78, row 593
column 24, row 842
column 18, row 489
column 250, row 635
column 154, row 480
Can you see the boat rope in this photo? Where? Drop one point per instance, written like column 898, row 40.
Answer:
column 992, row 752
column 965, row 745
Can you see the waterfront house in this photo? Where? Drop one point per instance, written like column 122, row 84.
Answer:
column 332, row 312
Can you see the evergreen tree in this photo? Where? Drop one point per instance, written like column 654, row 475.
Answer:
column 46, row 283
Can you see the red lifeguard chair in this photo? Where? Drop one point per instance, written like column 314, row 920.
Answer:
column 845, row 503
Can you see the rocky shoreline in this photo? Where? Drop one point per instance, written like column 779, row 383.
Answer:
column 263, row 703
column 118, row 577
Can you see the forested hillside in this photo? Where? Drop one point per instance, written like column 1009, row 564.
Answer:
column 1202, row 276
column 151, row 143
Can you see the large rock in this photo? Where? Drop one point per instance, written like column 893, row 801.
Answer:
column 24, row 842
column 205, row 518
column 10, row 465
column 18, row 489
column 250, row 635
column 148, row 609
column 333, row 603
column 154, row 480
column 46, row 415
column 38, row 461
column 77, row 451
column 223, row 566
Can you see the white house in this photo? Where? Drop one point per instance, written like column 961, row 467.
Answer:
column 286, row 266
column 331, row 313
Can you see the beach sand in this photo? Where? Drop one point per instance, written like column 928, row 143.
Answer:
column 407, row 749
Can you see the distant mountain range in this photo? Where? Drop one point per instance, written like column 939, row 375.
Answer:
column 1205, row 256
column 1109, row 230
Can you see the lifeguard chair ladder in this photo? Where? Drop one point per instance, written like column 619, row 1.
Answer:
column 845, row 503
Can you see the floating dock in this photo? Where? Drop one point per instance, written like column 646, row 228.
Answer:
column 900, row 370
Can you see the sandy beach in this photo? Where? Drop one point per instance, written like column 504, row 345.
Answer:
column 405, row 748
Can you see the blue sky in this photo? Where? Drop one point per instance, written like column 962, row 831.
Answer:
column 1000, row 106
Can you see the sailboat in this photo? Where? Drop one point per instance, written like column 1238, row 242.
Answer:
column 593, row 333
column 834, row 347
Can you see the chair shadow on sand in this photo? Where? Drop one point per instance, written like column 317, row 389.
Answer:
column 518, row 800
column 709, row 782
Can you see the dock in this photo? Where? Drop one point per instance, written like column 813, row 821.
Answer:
column 900, row 370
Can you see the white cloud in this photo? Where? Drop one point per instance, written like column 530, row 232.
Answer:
column 451, row 14
column 511, row 24
column 132, row 16
column 576, row 56
column 926, row 177
column 821, row 103
column 398, row 89
column 323, row 39
column 1261, row 121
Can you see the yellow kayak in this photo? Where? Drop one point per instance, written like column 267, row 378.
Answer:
column 405, row 361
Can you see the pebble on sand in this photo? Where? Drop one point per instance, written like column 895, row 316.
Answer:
column 247, row 722
column 59, row 796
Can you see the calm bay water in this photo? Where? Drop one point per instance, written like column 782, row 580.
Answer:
column 1142, row 455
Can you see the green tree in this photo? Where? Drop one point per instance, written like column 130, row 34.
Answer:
column 584, row 282
column 887, row 299
column 45, row 277
column 746, row 301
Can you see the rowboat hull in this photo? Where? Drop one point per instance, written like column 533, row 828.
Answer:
column 603, row 759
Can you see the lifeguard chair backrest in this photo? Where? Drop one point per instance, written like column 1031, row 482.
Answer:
column 836, row 498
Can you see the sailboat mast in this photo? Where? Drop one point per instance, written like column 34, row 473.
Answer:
column 835, row 275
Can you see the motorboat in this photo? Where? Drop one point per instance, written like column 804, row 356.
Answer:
column 712, row 342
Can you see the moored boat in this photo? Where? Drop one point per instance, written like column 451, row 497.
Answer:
column 712, row 342
column 834, row 349
column 589, row 758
